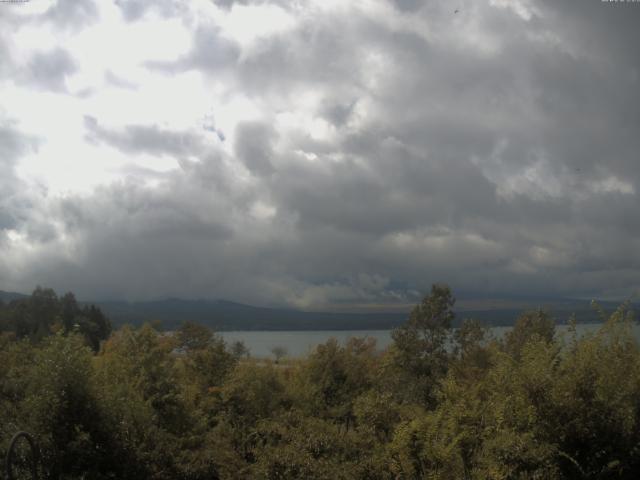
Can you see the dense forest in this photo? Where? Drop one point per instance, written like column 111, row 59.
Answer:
column 439, row 403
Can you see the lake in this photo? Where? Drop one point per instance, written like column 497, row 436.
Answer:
column 301, row 343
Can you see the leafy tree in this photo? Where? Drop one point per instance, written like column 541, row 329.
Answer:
column 334, row 376
column 60, row 409
column 294, row 446
column 279, row 353
column 596, row 395
column 206, row 359
column 530, row 324
column 377, row 414
column 253, row 392
column 192, row 336
column 69, row 311
column 239, row 349
column 93, row 325
column 472, row 354
column 34, row 317
column 141, row 390
column 43, row 313
column 420, row 345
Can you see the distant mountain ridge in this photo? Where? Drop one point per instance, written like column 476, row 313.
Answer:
column 224, row 315
column 9, row 296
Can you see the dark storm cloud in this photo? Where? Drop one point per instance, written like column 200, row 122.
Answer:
column 475, row 163
column 189, row 229
column 566, row 123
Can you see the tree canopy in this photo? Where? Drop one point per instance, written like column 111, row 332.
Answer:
column 439, row 403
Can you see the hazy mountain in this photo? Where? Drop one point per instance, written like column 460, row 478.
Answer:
column 225, row 315
column 8, row 296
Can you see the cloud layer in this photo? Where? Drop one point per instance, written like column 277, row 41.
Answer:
column 320, row 154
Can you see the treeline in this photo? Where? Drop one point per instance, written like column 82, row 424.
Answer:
column 43, row 314
column 439, row 403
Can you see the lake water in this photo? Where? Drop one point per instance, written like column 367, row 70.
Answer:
column 301, row 343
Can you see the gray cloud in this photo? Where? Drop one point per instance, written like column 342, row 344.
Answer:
column 49, row 70
column 338, row 113
column 228, row 4
column 15, row 200
column 254, row 146
column 408, row 5
column 48, row 67
column 113, row 79
column 71, row 14
column 190, row 227
column 149, row 139
column 211, row 53
column 495, row 149
column 133, row 10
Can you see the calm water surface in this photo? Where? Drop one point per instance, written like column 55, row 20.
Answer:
column 301, row 343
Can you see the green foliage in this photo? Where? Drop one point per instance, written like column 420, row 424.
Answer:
column 438, row 404
column 530, row 325
column 279, row 353
column 43, row 314
column 419, row 354
column 301, row 447
column 334, row 376
column 59, row 405
column 192, row 336
column 253, row 392
column 376, row 414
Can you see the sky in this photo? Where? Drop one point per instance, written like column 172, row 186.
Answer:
column 320, row 154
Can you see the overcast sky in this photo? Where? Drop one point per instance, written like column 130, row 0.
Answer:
column 320, row 154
